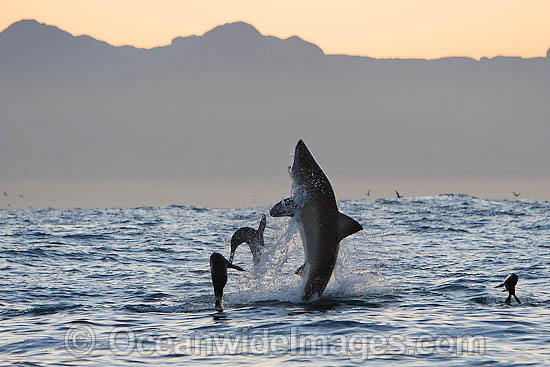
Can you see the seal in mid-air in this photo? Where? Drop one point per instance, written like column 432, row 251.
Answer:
column 218, row 270
column 254, row 238
column 322, row 226
column 510, row 285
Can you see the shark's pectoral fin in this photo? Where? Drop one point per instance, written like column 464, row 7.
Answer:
column 284, row 208
column 347, row 226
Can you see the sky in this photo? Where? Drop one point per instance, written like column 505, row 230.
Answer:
column 382, row 28
column 119, row 128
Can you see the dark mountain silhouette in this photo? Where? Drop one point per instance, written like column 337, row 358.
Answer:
column 29, row 46
column 228, row 106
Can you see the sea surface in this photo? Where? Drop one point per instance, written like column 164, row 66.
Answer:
column 118, row 287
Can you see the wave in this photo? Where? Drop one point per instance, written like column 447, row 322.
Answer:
column 41, row 310
column 145, row 308
column 86, row 236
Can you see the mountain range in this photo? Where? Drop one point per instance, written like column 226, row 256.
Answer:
column 225, row 109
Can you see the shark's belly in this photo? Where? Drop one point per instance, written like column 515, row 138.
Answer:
column 319, row 238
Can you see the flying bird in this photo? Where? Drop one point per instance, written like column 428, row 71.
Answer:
column 368, row 193
column 516, row 194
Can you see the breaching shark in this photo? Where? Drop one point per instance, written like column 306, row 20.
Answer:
column 321, row 225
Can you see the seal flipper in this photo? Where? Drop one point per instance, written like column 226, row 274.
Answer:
column 263, row 223
column 260, row 231
column 508, row 300
column 233, row 266
column 284, row 208
column 346, row 226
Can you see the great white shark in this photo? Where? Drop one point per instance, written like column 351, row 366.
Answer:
column 321, row 225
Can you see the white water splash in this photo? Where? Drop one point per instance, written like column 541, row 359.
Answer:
column 274, row 279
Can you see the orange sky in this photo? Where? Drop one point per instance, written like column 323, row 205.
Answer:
column 377, row 28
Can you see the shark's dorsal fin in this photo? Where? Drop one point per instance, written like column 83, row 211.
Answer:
column 346, row 226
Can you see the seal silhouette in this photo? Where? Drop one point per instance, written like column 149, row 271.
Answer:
column 218, row 271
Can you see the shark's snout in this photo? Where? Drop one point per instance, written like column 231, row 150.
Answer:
column 300, row 149
column 301, row 153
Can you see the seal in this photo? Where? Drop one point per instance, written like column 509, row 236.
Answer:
column 254, row 238
column 510, row 285
column 218, row 271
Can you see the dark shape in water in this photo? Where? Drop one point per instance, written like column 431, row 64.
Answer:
column 397, row 194
column 254, row 239
column 218, row 270
column 300, row 270
column 510, row 286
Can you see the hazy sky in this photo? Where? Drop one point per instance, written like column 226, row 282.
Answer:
column 213, row 120
column 376, row 28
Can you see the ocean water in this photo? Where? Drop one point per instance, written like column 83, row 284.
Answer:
column 116, row 287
